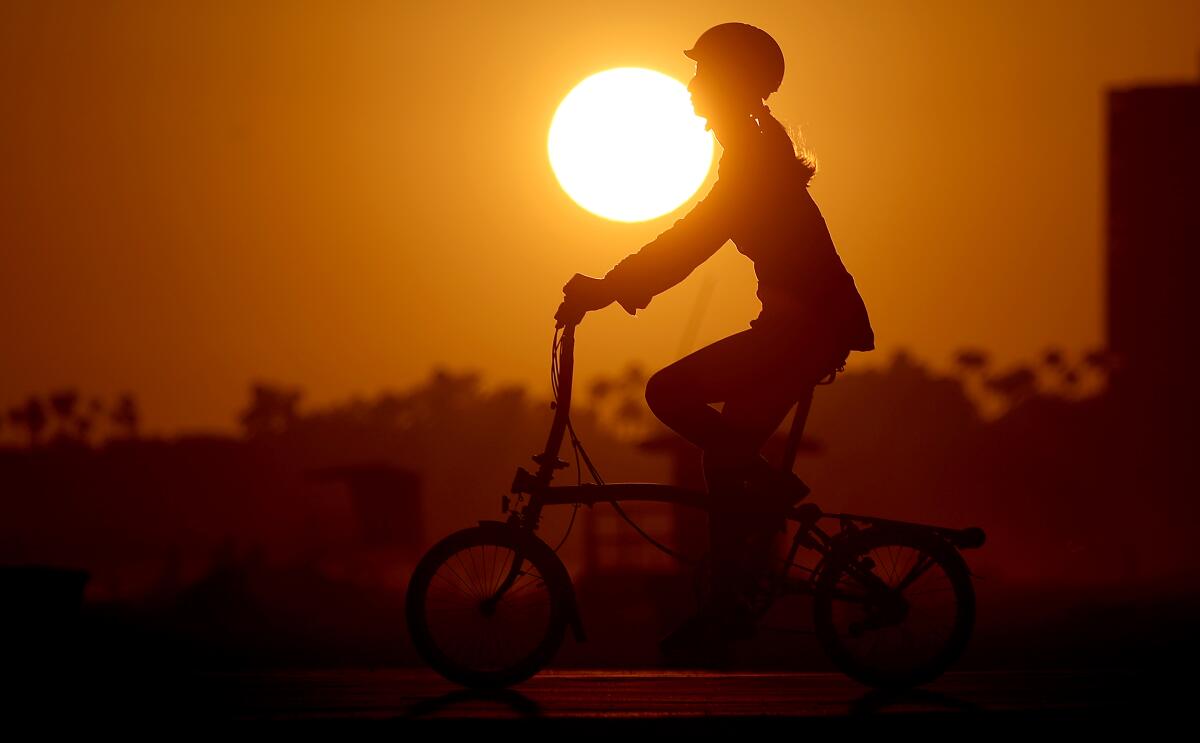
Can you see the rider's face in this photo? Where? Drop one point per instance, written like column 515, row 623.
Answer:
column 702, row 90
column 714, row 96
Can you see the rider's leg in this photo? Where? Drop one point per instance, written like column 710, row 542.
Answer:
column 738, row 365
column 742, row 532
column 759, row 374
column 680, row 395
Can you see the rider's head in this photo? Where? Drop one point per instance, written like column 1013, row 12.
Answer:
column 737, row 66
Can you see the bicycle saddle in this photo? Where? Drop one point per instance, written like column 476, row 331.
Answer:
column 840, row 366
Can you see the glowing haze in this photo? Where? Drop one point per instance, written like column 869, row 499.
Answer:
column 625, row 144
column 339, row 196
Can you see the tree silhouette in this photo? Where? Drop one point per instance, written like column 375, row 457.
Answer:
column 124, row 416
column 971, row 361
column 620, row 400
column 63, row 404
column 599, row 389
column 272, row 410
column 31, row 416
column 1102, row 362
column 448, row 392
column 1055, row 360
column 1015, row 386
column 85, row 421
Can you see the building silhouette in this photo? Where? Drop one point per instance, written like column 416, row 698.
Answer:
column 1153, row 260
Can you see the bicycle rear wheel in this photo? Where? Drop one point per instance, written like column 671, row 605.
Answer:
column 488, row 606
column 894, row 608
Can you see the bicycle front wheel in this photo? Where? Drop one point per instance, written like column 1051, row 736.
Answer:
column 488, row 606
column 894, row 608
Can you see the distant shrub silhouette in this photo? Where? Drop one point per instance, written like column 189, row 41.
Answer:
column 1015, row 386
column 63, row 403
column 271, row 410
column 619, row 402
column 124, row 416
column 31, row 416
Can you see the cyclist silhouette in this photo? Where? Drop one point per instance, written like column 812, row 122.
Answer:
column 812, row 316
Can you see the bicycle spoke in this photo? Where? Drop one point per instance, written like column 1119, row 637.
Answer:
column 903, row 595
column 885, row 563
column 492, row 570
column 504, row 568
column 481, row 608
column 507, row 608
column 493, row 580
column 906, row 556
column 519, row 588
column 484, row 576
column 476, row 579
column 462, row 588
column 491, row 641
column 512, row 588
column 917, row 571
column 466, row 570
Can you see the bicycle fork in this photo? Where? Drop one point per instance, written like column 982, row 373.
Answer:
column 514, row 572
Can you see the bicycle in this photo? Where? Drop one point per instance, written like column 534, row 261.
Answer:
column 488, row 606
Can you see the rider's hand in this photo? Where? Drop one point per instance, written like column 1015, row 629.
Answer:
column 587, row 293
column 567, row 314
column 582, row 294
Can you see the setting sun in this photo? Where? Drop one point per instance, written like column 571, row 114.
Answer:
column 625, row 144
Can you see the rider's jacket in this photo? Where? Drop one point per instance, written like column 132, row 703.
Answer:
column 761, row 202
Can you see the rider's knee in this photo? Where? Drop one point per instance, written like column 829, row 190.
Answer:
column 660, row 393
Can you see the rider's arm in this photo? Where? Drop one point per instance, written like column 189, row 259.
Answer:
column 671, row 256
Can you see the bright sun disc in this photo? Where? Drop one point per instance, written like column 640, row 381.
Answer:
column 625, row 144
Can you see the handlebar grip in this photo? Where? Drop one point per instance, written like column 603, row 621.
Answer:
column 568, row 315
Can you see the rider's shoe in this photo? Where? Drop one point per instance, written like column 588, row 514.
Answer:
column 782, row 490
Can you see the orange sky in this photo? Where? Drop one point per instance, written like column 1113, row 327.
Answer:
column 341, row 195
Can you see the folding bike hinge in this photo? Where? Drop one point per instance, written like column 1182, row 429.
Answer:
column 523, row 481
column 554, row 462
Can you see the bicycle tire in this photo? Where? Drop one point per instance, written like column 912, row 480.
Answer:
column 845, row 590
column 462, row 598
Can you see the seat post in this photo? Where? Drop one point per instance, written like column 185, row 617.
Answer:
column 803, row 405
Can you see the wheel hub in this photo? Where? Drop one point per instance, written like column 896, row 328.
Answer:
column 888, row 611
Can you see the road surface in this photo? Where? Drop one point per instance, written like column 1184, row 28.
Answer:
column 595, row 696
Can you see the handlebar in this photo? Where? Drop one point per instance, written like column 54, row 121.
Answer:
column 568, row 315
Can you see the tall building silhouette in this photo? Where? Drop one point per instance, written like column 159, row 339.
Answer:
column 1153, row 250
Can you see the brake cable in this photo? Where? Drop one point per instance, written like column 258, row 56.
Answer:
column 579, row 448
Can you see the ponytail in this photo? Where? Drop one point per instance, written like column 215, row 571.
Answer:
column 806, row 162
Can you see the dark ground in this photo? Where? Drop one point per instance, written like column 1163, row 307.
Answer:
column 584, row 699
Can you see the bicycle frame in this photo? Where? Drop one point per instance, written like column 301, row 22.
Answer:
column 537, row 485
column 809, row 535
column 852, row 549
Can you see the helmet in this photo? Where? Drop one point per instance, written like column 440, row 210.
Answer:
column 744, row 49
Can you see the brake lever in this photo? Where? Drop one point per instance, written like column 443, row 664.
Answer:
column 567, row 316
